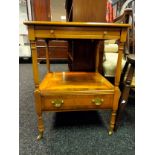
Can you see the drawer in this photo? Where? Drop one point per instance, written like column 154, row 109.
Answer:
column 79, row 34
column 76, row 102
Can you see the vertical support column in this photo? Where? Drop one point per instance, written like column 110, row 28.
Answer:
column 36, row 80
column 97, row 56
column 117, row 95
column 39, row 113
column 47, row 56
column 34, row 63
column 117, row 92
column 123, row 39
column 119, row 64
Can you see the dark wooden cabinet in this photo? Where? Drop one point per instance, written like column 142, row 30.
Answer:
column 82, row 53
column 58, row 50
column 89, row 10
column 41, row 11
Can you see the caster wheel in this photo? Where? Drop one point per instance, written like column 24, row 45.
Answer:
column 40, row 136
column 110, row 133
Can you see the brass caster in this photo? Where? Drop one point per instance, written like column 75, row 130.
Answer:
column 40, row 136
column 110, row 133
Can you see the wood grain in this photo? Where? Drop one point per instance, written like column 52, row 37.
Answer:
column 79, row 24
column 34, row 63
column 75, row 83
column 77, row 102
column 41, row 10
column 76, row 90
column 47, row 56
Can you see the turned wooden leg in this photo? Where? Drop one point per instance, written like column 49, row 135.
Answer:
column 112, row 122
column 40, row 127
column 114, row 110
column 39, row 113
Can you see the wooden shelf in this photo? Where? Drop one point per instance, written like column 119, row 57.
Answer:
column 73, row 82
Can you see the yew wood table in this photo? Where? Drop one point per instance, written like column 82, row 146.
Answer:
column 75, row 91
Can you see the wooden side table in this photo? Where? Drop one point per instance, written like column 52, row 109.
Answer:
column 75, row 91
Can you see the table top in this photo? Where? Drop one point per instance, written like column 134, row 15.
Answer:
column 89, row 24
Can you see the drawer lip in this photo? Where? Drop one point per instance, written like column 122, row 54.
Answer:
column 77, row 109
column 91, row 92
column 96, row 92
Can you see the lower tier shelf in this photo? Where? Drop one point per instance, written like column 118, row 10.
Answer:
column 75, row 82
column 67, row 91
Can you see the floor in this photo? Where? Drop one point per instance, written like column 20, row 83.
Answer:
column 72, row 133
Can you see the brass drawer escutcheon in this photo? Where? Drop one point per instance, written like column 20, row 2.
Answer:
column 57, row 102
column 97, row 101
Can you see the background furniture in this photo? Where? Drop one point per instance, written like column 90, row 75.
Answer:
column 111, row 47
column 58, row 50
column 41, row 11
column 24, row 48
column 128, row 62
column 128, row 81
column 69, row 91
column 128, row 74
column 81, row 53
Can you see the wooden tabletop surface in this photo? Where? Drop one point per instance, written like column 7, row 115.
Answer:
column 91, row 24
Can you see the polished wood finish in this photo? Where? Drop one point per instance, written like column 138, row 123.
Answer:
column 76, row 89
column 34, row 62
column 41, row 10
column 75, row 82
column 89, row 11
column 78, row 24
column 129, row 69
column 38, row 105
column 67, row 91
column 58, row 50
column 76, row 102
column 84, row 11
column 47, row 56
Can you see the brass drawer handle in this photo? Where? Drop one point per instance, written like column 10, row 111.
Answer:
column 57, row 102
column 97, row 101
column 105, row 32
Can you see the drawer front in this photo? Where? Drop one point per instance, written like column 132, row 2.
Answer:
column 75, row 102
column 79, row 34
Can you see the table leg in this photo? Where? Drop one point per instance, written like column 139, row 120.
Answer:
column 112, row 122
column 114, row 110
column 39, row 113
